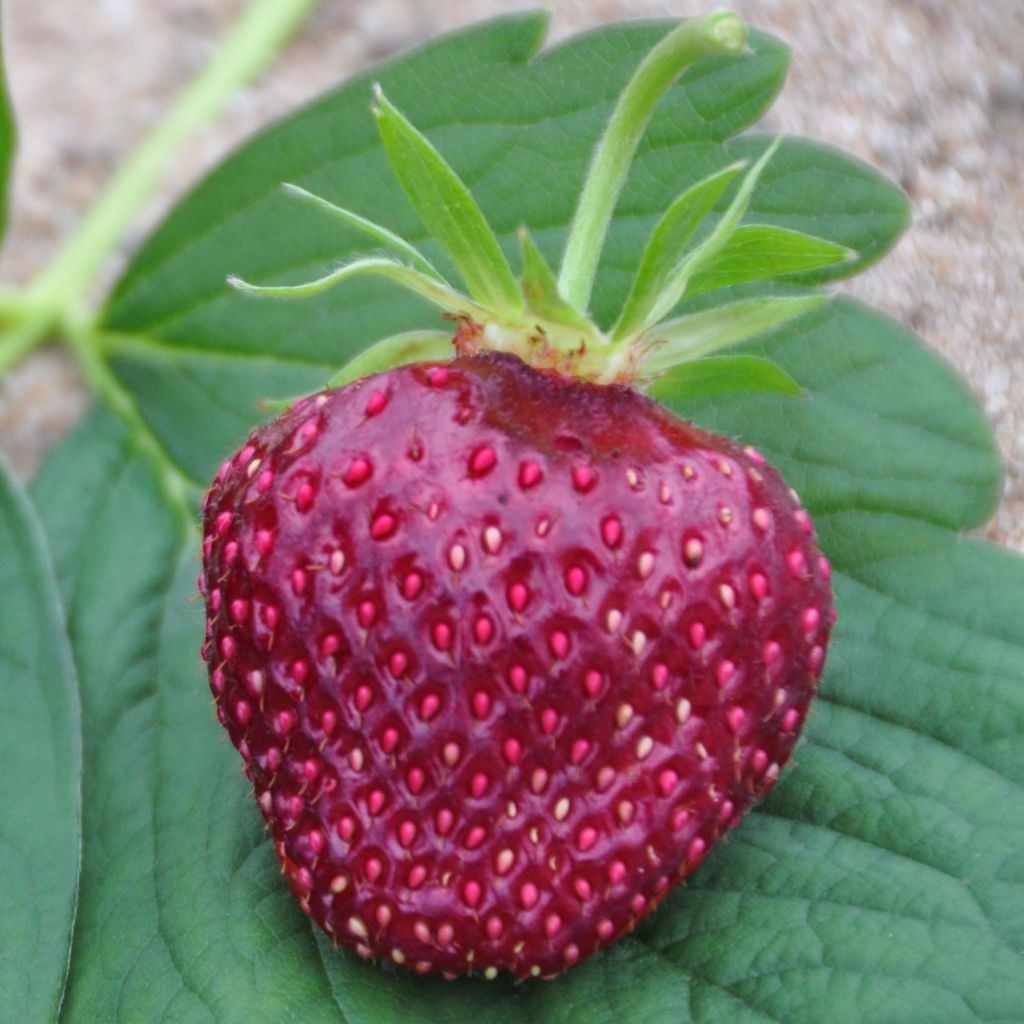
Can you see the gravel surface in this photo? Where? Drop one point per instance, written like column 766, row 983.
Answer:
column 930, row 91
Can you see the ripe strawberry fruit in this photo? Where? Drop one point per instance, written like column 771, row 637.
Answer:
column 505, row 646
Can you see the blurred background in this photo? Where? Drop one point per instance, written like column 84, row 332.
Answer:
column 930, row 91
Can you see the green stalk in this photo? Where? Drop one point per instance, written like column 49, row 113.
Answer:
column 249, row 47
column 717, row 33
column 111, row 392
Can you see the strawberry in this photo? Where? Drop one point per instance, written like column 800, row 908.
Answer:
column 505, row 646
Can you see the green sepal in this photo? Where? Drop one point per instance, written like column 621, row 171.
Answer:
column 540, row 288
column 415, row 280
column 757, row 252
column 723, row 375
column 448, row 210
column 676, row 284
column 374, row 231
column 699, row 334
column 721, row 33
column 398, row 350
column 666, row 247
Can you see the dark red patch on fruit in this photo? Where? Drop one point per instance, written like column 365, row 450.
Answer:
column 497, row 699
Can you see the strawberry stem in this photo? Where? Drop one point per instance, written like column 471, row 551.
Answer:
column 718, row 33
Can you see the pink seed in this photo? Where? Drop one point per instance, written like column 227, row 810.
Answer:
column 346, row 827
column 605, row 929
column 616, row 872
column 482, row 461
column 528, row 895
column 406, row 833
column 518, row 595
column 475, row 836
column 398, row 663
column 373, row 869
column 429, row 706
column 417, row 876
column 389, row 739
column 518, row 678
column 227, row 647
column 494, row 927
column 328, row 721
column 512, row 749
column 442, row 634
column 437, row 376
column 758, row 761
column 304, row 497
column 759, row 586
column 377, row 403
column 364, row 696
column 299, row 671
column 414, row 780
column 552, row 925
column 583, row 479
column 824, row 568
column 243, row 712
column 579, row 751
column 444, row 820
column 586, row 838
column 264, row 481
column 583, row 889
column 412, row 585
column 264, row 542
column 667, row 780
column 659, row 676
column 383, row 526
column 693, row 552
column 698, row 634
column 816, row 658
column 471, row 892
column 575, row 579
column 796, row 562
column 299, row 581
column 611, row 531
column 530, row 474
column 790, row 720
column 811, row 618
column 239, row 609
column 696, row 849
column 735, row 718
column 483, row 629
column 375, row 802
column 358, row 472
column 771, row 652
column 230, row 552
column 479, row 785
column 724, row 671
column 367, row 612
column 725, row 811
column 223, row 523
column 548, row 721
column 558, row 644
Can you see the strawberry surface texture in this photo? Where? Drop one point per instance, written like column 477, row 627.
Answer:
column 505, row 653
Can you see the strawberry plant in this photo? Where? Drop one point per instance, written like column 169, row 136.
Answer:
column 879, row 879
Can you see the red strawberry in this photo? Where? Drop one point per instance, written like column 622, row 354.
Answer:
column 507, row 647
column 505, row 654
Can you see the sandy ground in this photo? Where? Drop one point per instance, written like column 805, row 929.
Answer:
column 931, row 91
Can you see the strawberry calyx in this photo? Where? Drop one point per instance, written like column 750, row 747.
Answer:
column 544, row 319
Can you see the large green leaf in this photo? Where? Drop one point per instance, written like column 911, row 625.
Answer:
column 40, row 750
column 506, row 118
column 882, row 881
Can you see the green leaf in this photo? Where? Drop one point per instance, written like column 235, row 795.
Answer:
column 448, row 211
column 886, row 426
column 40, row 749
column 701, row 333
column 7, row 142
column 881, row 881
column 722, row 375
column 372, row 231
column 757, row 252
column 665, row 249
